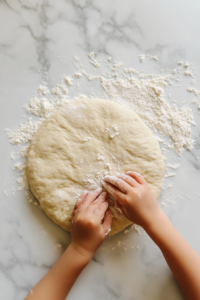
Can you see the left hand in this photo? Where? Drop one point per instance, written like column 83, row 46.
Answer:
column 91, row 222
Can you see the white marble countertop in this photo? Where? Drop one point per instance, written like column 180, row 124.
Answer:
column 44, row 35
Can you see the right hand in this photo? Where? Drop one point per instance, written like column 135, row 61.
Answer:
column 134, row 197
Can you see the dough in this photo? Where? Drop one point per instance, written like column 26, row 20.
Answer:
column 81, row 143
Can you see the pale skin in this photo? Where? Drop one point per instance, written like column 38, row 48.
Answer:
column 91, row 223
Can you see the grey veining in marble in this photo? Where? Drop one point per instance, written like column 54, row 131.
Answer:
column 33, row 35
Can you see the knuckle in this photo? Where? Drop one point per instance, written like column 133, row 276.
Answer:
column 79, row 220
column 92, row 223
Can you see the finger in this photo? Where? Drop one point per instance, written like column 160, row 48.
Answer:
column 138, row 177
column 107, row 222
column 130, row 180
column 117, row 194
column 117, row 182
column 79, row 201
column 100, row 199
column 111, row 189
column 90, row 198
column 100, row 210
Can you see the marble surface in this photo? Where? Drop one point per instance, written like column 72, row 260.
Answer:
column 38, row 36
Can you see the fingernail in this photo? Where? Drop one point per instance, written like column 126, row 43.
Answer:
column 85, row 193
column 99, row 189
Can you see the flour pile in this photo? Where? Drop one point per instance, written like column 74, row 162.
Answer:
column 144, row 93
column 147, row 99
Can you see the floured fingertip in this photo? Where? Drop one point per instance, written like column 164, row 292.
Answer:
column 85, row 193
column 107, row 232
column 134, row 173
column 98, row 190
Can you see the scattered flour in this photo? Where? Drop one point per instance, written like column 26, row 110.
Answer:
column 170, row 175
column 76, row 58
column 24, row 133
column 100, row 157
column 186, row 65
column 12, row 156
column 175, row 167
column 87, row 139
column 77, row 74
column 68, row 80
column 188, row 73
column 146, row 97
column 43, row 90
column 154, row 58
column 142, row 57
column 113, row 131
column 192, row 90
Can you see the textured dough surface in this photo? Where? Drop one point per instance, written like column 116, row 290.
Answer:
column 82, row 142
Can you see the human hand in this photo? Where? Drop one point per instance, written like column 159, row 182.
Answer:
column 91, row 222
column 133, row 196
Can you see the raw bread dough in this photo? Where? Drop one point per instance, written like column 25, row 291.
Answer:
column 81, row 143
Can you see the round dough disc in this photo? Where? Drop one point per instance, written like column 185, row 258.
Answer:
column 82, row 142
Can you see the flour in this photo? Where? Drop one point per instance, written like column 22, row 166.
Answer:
column 22, row 181
column 154, row 58
column 147, row 99
column 100, row 157
column 87, row 139
column 24, row 151
column 68, row 80
column 192, row 90
column 188, row 73
column 24, row 133
column 186, row 65
column 175, row 167
column 142, row 57
column 113, row 131
column 77, row 74
column 43, row 89
column 170, row 175
column 12, row 156
column 76, row 58
column 95, row 63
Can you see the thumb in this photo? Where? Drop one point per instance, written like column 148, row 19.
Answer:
column 79, row 201
column 107, row 221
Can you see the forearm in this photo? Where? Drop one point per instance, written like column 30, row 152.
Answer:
column 57, row 283
column 181, row 258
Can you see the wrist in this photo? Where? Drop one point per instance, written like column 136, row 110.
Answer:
column 152, row 224
column 79, row 251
